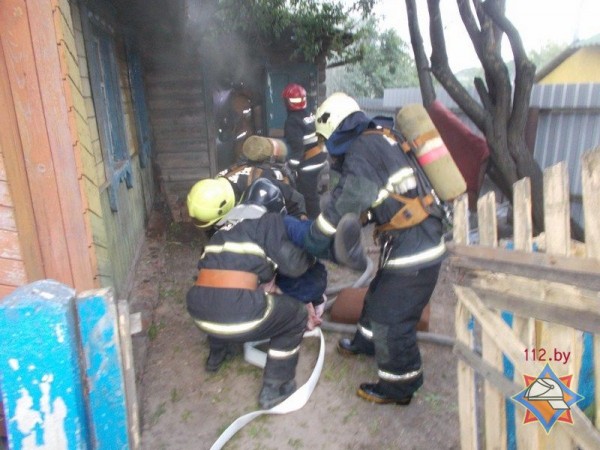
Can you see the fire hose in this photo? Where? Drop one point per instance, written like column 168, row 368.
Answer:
column 299, row 398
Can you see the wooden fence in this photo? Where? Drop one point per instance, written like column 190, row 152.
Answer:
column 522, row 310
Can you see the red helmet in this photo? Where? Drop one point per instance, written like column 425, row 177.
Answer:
column 294, row 96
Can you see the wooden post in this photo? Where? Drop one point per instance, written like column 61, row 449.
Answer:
column 107, row 404
column 524, row 328
column 464, row 334
column 557, row 226
column 133, row 412
column 467, row 406
column 39, row 362
column 495, row 410
column 460, row 229
column 590, row 180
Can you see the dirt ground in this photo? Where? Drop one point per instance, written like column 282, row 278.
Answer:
column 183, row 407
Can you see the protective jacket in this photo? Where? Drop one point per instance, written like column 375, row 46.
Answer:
column 242, row 175
column 372, row 167
column 305, row 156
column 227, row 303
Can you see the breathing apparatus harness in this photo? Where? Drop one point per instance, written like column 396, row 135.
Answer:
column 253, row 171
column 426, row 203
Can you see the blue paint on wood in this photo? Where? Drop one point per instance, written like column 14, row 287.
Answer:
column 39, row 366
column 587, row 382
column 106, row 400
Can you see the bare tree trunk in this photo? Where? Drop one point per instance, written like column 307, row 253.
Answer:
column 500, row 113
column 421, row 61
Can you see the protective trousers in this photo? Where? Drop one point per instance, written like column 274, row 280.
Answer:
column 388, row 325
column 307, row 182
column 284, row 328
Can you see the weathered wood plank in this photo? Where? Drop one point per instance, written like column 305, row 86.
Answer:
column 55, row 110
column 466, row 382
column 590, row 180
column 537, row 308
column 582, row 272
column 12, row 272
column 495, row 411
column 16, row 172
column 40, row 363
column 556, row 210
column 557, row 214
column 486, row 220
column 523, row 326
column 535, row 291
column 2, row 167
column 522, row 223
column 102, row 368
column 460, row 229
column 23, row 76
column 7, row 218
column 9, row 245
column 133, row 412
column 582, row 431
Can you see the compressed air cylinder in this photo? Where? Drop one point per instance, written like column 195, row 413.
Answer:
column 414, row 123
column 260, row 148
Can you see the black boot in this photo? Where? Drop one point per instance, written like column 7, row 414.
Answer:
column 218, row 356
column 347, row 244
column 347, row 347
column 274, row 392
column 372, row 392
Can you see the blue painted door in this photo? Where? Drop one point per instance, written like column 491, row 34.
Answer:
column 276, row 80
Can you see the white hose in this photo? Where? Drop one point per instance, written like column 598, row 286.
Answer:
column 293, row 403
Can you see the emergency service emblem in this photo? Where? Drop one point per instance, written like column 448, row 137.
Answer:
column 548, row 398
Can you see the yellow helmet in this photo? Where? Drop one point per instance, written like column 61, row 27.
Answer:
column 332, row 111
column 209, row 200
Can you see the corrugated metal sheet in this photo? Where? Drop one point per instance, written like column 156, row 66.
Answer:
column 397, row 97
column 568, row 126
column 374, row 107
column 565, row 96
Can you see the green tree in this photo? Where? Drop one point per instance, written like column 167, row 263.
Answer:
column 546, row 53
column 383, row 61
column 302, row 29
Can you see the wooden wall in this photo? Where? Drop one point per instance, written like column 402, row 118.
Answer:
column 117, row 236
column 55, row 217
column 42, row 176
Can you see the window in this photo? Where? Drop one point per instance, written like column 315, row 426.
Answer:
column 99, row 39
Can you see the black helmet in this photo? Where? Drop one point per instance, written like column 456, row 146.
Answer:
column 264, row 193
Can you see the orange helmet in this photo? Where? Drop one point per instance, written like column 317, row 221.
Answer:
column 294, row 96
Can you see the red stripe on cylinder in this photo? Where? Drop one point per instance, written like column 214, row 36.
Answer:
column 433, row 155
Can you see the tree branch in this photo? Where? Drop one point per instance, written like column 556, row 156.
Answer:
column 421, row 61
column 442, row 71
column 524, row 68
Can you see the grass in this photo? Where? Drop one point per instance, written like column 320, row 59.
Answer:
column 154, row 329
column 162, row 408
column 295, row 443
column 175, row 395
column 353, row 412
column 374, row 427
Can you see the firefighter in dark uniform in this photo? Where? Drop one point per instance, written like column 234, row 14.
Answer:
column 227, row 301
column 377, row 182
column 210, row 200
column 305, row 156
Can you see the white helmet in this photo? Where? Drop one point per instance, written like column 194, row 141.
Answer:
column 332, row 111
